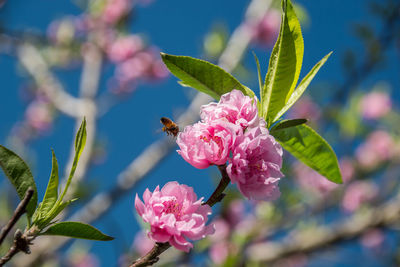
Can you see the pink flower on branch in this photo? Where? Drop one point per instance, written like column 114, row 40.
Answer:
column 205, row 144
column 256, row 163
column 174, row 214
column 234, row 107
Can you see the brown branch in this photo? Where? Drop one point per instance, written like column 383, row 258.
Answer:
column 218, row 194
column 152, row 256
column 19, row 211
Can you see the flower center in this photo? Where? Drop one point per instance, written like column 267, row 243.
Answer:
column 172, row 206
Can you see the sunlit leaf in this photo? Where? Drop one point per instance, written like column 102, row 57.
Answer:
column 302, row 87
column 20, row 176
column 287, row 124
column 311, row 149
column 284, row 65
column 203, row 76
column 77, row 230
column 51, row 194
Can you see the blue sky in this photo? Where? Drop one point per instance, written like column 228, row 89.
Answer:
column 177, row 27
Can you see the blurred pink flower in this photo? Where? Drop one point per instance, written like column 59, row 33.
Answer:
column 312, row 180
column 235, row 211
column 205, row 144
column 115, row 10
column 375, row 105
column 142, row 243
column 306, row 108
column 256, row 163
column 357, row 193
column 219, row 252
column 373, row 238
column 84, row 260
column 174, row 214
column 222, row 230
column 379, row 146
column 266, row 32
column 39, row 115
column 233, row 107
column 346, row 169
column 124, row 48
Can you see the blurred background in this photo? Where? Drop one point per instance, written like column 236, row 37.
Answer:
column 62, row 60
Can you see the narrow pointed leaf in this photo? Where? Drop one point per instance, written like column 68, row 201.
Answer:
column 302, row 86
column 51, row 195
column 203, row 76
column 260, row 84
column 287, row 124
column 284, row 65
column 311, row 149
column 80, row 141
column 20, row 176
column 77, row 230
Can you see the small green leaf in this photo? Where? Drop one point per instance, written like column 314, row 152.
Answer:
column 258, row 72
column 203, row 76
column 20, row 176
column 311, row 149
column 51, row 194
column 284, row 65
column 302, row 86
column 287, row 124
column 77, row 230
column 80, row 141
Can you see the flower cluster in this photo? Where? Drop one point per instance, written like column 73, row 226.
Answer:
column 174, row 214
column 231, row 131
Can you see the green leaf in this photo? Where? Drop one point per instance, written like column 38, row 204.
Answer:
column 51, row 195
column 287, row 124
column 77, row 230
column 311, row 149
column 20, row 176
column 258, row 72
column 284, row 65
column 302, row 87
column 80, row 141
column 203, row 76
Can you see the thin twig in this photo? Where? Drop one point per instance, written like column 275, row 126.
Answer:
column 218, row 194
column 19, row 211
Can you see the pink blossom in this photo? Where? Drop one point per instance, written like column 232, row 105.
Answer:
column 373, row 238
column 375, row 105
column 39, row 115
column 115, row 10
column 256, row 163
column 219, row 252
column 142, row 243
column 235, row 211
column 205, row 144
column 312, row 180
column 233, row 107
column 124, row 48
column 358, row 193
column 266, row 32
column 222, row 230
column 379, row 146
column 174, row 214
column 306, row 108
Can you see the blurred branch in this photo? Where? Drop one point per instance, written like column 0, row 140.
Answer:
column 307, row 241
column 46, row 82
column 154, row 153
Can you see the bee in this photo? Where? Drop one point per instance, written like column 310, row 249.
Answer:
column 170, row 127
